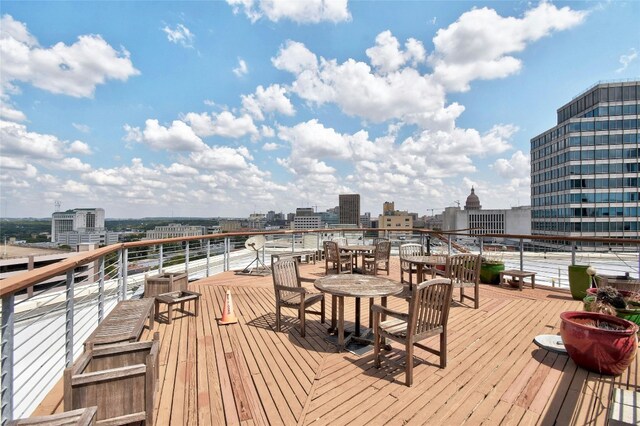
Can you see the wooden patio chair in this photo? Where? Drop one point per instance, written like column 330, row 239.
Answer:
column 341, row 262
column 378, row 260
column 287, row 284
column 410, row 249
column 428, row 315
column 464, row 271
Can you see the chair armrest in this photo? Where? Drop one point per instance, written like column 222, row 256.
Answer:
column 307, row 280
column 192, row 293
column 300, row 290
column 382, row 310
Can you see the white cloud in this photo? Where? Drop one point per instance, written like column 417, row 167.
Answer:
column 73, row 70
column 312, row 140
column 17, row 140
column 177, row 137
column 75, row 187
column 518, row 166
column 270, row 146
column 71, row 164
column 177, row 169
column 180, row 35
column 625, row 60
column 221, row 158
column 241, row 69
column 295, row 58
column 79, row 147
column 307, row 11
column 478, row 45
column 271, row 99
column 105, row 177
column 8, row 112
column 81, row 127
column 224, row 124
column 387, row 57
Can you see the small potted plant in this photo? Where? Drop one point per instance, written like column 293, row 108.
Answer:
column 608, row 300
column 490, row 269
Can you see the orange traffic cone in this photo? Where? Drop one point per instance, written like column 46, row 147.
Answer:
column 228, row 317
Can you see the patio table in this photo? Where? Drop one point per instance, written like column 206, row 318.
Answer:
column 355, row 249
column 354, row 285
column 424, row 261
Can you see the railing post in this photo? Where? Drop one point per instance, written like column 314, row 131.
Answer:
column 449, row 243
column 160, row 258
column 7, row 357
column 573, row 254
column 186, row 258
column 481, row 245
column 521, row 254
column 120, row 276
column 125, row 273
column 227, row 249
column 68, row 336
column 208, row 257
column 101, row 291
column 293, row 242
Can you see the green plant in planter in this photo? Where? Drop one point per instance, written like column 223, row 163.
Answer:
column 608, row 300
column 490, row 269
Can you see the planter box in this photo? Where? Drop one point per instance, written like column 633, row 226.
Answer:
column 165, row 283
column 490, row 272
column 120, row 380
column 579, row 281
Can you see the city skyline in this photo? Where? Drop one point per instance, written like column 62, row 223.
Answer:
column 220, row 109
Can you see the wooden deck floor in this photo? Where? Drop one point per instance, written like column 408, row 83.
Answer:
column 248, row 374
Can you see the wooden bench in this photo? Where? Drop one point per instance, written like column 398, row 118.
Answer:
column 519, row 276
column 123, row 324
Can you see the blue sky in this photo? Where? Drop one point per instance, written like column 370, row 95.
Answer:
column 227, row 108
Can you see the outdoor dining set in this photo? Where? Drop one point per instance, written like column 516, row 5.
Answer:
column 354, row 271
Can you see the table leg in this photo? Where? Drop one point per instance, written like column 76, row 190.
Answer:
column 383, row 317
column 533, row 281
column 333, row 314
column 357, row 328
column 340, row 323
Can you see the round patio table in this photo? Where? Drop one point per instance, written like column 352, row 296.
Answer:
column 424, row 261
column 354, row 285
column 355, row 249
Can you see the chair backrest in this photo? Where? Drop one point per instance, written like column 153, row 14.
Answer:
column 429, row 306
column 331, row 251
column 383, row 250
column 411, row 249
column 464, row 269
column 379, row 239
column 285, row 274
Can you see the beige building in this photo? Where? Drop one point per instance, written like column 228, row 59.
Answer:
column 397, row 224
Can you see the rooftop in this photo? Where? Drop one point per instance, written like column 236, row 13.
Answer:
column 247, row 373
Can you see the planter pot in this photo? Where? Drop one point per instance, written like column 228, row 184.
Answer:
column 579, row 281
column 490, row 272
column 596, row 349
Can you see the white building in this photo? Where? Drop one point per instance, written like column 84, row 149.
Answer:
column 81, row 226
column 516, row 220
column 306, row 222
column 174, row 230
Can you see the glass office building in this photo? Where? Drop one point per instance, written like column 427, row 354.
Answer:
column 584, row 171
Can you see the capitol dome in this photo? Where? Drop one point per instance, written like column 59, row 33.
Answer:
column 473, row 202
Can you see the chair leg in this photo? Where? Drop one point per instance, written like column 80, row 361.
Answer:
column 443, row 349
column 277, row 318
column 302, row 315
column 371, row 300
column 376, row 341
column 322, row 311
column 476, row 301
column 333, row 311
column 409, row 372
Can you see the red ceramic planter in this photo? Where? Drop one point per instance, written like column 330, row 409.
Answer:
column 602, row 351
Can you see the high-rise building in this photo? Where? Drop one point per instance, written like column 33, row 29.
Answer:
column 349, row 209
column 584, row 171
column 388, row 208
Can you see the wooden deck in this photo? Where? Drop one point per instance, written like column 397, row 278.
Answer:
column 247, row 374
